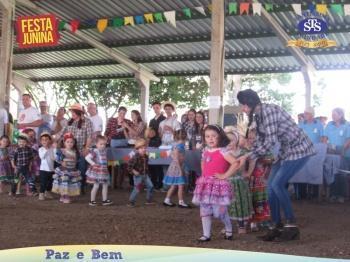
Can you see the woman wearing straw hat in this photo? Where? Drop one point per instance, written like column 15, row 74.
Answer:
column 275, row 125
column 82, row 130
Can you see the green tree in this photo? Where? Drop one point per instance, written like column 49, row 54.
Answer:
column 262, row 84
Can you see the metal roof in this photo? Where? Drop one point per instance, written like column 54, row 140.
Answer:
column 250, row 46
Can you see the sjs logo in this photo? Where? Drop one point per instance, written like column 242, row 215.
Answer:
column 312, row 26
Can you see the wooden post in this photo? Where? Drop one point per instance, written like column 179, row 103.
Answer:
column 307, row 81
column 7, row 10
column 217, row 59
column 144, row 84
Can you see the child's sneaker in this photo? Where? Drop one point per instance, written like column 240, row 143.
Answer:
column 41, row 196
column 48, row 195
column 66, row 201
column 131, row 204
column 92, row 203
column 107, row 202
column 183, row 205
column 62, row 199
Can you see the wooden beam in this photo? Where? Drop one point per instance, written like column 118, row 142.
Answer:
column 308, row 86
column 8, row 12
column 217, row 59
column 144, row 84
column 115, row 54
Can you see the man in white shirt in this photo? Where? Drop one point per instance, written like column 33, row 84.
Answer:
column 4, row 121
column 46, row 117
column 29, row 117
column 95, row 119
column 169, row 125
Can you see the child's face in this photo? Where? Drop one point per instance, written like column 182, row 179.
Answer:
column 69, row 143
column 45, row 141
column 31, row 136
column 22, row 142
column 142, row 150
column 211, row 138
column 101, row 144
column 151, row 134
column 4, row 142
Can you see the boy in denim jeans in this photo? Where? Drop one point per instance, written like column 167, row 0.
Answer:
column 138, row 166
column 21, row 161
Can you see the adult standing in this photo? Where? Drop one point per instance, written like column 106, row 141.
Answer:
column 136, row 129
column 82, row 129
column 337, row 136
column 60, row 121
column 156, row 171
column 29, row 117
column 311, row 126
column 4, row 121
column 168, row 126
column 200, row 125
column 46, row 126
column 95, row 119
column 189, row 126
column 275, row 125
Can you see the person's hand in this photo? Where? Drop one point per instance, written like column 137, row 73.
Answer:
column 21, row 126
column 246, row 175
column 220, row 176
column 85, row 151
column 242, row 159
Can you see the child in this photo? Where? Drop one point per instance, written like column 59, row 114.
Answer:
column 213, row 192
column 241, row 210
column 175, row 176
column 21, row 161
column 67, row 177
column 259, row 173
column 138, row 166
column 98, row 174
column 6, row 174
column 32, row 142
column 47, row 157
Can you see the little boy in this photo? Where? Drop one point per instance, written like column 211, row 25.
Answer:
column 21, row 161
column 138, row 166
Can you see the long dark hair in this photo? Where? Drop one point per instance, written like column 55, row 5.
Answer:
column 196, row 125
column 81, row 120
column 250, row 98
column 223, row 139
column 138, row 115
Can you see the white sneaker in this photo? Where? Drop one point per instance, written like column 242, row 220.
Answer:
column 41, row 196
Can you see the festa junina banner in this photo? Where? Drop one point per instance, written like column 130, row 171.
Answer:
column 84, row 253
column 37, row 31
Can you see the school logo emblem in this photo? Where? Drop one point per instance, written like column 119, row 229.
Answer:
column 312, row 28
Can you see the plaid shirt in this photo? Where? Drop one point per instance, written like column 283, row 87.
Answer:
column 82, row 134
column 113, row 130
column 22, row 156
column 138, row 163
column 275, row 125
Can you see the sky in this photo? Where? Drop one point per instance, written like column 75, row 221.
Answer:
column 335, row 94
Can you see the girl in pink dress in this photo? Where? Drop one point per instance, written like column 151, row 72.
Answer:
column 213, row 191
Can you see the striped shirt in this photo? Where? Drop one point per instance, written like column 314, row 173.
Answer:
column 275, row 125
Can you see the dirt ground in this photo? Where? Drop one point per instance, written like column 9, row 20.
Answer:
column 26, row 222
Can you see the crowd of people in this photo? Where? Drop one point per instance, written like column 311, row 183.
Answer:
column 240, row 180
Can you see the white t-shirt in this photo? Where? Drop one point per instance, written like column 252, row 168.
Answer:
column 47, row 158
column 3, row 120
column 168, row 137
column 29, row 115
column 97, row 123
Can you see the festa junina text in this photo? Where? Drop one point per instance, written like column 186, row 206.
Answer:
column 37, row 31
column 51, row 254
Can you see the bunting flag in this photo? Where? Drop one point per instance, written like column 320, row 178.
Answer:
column 158, row 17
column 200, row 9
column 102, row 25
column 321, row 8
column 311, row 7
column 74, row 25
column 118, row 22
column 347, row 9
column 129, row 20
column 244, row 8
column 149, row 18
column 139, row 20
column 210, row 8
column 187, row 12
column 269, row 7
column 152, row 155
column 337, row 9
column 170, row 17
column 91, row 22
column 232, row 8
column 61, row 25
column 257, row 8
column 297, row 9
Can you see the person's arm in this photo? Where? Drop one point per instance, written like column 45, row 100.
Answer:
column 43, row 152
column 90, row 159
column 35, row 123
column 249, row 172
column 89, row 131
column 131, row 166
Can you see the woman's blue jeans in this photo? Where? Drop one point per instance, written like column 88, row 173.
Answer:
column 278, row 194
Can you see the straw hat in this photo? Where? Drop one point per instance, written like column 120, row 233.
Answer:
column 169, row 103
column 46, row 134
column 140, row 143
column 77, row 107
